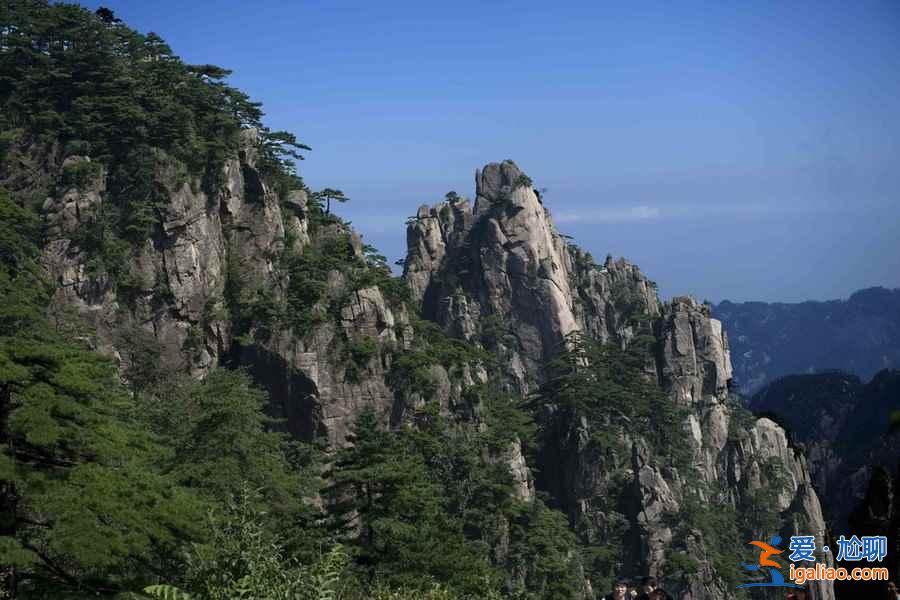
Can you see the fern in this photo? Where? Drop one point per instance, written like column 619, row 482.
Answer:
column 167, row 592
column 326, row 576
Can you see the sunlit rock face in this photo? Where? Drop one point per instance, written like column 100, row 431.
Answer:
column 495, row 272
column 500, row 274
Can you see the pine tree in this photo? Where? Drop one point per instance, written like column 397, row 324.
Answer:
column 328, row 195
column 393, row 516
column 82, row 506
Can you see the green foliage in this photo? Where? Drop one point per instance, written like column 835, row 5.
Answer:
column 87, row 83
column 544, row 547
column 505, row 416
column 382, row 489
column 360, row 352
column 607, row 393
column 421, row 506
column 741, row 420
column 680, row 563
column 243, row 559
column 328, row 195
column 167, row 592
column 627, row 299
column 719, row 524
column 79, row 174
column 221, row 439
column 524, row 181
column 759, row 517
column 82, row 505
column 395, row 289
column 19, row 235
column 102, row 488
column 68, row 72
column 9, row 139
column 411, row 369
column 494, row 331
column 253, row 308
column 308, row 273
column 612, row 390
column 108, row 254
column 435, row 592
column 894, row 421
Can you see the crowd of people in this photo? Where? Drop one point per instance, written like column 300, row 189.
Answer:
column 648, row 589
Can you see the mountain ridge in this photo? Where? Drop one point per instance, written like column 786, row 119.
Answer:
column 545, row 418
column 771, row 339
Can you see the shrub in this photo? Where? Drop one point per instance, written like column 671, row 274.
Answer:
column 523, row 180
column 680, row 563
column 79, row 174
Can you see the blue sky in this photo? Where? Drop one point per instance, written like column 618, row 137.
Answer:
column 748, row 151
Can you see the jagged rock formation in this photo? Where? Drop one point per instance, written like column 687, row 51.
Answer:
column 842, row 424
column 499, row 273
column 177, row 292
column 770, row 340
column 180, row 237
column 502, row 265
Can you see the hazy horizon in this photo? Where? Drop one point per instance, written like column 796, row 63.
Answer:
column 740, row 152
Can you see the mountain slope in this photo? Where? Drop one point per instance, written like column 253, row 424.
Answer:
column 498, row 273
column 859, row 335
column 843, row 425
column 509, row 419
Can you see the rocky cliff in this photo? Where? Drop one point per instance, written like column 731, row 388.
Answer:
column 842, row 424
column 219, row 283
column 498, row 273
column 507, row 371
column 212, row 286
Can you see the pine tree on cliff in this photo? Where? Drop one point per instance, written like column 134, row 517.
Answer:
column 101, row 489
column 329, row 194
column 393, row 515
column 82, row 506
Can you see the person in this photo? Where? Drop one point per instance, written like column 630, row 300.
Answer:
column 798, row 595
column 891, row 591
column 648, row 584
column 659, row 594
column 620, row 591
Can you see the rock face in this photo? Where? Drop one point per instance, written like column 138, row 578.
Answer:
column 512, row 263
column 180, row 281
column 498, row 273
column 842, row 424
column 502, row 266
column 859, row 335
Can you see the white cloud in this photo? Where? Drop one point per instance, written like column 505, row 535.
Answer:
column 608, row 215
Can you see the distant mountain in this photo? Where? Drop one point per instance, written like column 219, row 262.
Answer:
column 860, row 335
column 843, row 424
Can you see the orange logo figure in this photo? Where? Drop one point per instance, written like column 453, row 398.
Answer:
column 767, row 551
column 776, row 579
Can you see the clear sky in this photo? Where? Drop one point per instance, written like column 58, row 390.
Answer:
column 733, row 150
